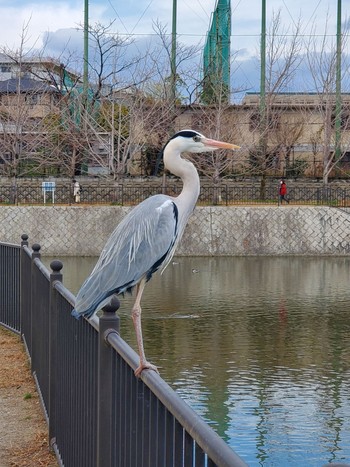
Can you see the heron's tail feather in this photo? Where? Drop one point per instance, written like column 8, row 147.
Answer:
column 76, row 314
column 87, row 313
column 82, row 308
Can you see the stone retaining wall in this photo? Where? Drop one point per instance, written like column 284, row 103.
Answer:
column 221, row 231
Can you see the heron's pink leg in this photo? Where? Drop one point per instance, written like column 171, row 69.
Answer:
column 136, row 317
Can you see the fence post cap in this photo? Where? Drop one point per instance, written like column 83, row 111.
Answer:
column 36, row 247
column 24, row 237
column 56, row 265
column 112, row 306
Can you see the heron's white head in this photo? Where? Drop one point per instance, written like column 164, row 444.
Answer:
column 192, row 141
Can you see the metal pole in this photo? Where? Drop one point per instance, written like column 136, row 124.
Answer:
column 33, row 282
column 263, row 67
column 56, row 275
column 108, row 323
column 84, row 103
column 338, row 101
column 262, row 116
column 23, row 284
column 86, row 49
column 173, row 54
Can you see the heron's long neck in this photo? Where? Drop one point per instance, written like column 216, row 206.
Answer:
column 190, row 179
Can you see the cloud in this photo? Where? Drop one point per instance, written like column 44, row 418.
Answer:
column 65, row 41
column 53, row 25
column 32, row 21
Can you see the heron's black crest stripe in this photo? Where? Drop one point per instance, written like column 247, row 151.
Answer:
column 185, row 134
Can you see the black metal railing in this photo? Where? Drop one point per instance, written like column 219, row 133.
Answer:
column 131, row 193
column 98, row 412
column 10, row 286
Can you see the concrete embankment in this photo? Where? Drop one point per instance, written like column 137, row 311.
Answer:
column 212, row 231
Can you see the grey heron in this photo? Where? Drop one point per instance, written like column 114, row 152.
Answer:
column 146, row 239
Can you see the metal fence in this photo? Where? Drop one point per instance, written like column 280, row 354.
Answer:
column 98, row 412
column 130, row 193
column 10, row 286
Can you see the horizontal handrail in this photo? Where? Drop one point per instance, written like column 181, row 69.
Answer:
column 222, row 455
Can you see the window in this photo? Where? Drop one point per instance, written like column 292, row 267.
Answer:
column 5, row 158
column 344, row 121
column 344, row 162
column 32, row 99
column 5, row 69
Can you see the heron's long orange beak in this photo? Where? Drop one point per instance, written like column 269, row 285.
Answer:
column 212, row 143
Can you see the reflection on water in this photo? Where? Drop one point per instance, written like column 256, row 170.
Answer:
column 258, row 346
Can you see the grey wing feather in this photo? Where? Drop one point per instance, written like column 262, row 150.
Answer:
column 144, row 238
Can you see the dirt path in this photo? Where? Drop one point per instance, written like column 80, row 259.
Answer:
column 23, row 430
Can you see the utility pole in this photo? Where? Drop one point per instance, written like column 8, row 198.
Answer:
column 173, row 55
column 338, row 97
column 84, row 106
column 86, row 50
column 263, row 68
column 262, row 109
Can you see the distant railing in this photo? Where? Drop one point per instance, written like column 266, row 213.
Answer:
column 130, row 193
column 99, row 414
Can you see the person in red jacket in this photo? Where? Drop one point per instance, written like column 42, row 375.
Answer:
column 283, row 192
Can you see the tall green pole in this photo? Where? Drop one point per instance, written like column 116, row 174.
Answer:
column 263, row 64
column 173, row 54
column 338, row 99
column 86, row 50
column 84, row 107
column 263, row 125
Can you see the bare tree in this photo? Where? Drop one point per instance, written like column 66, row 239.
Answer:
column 141, row 115
column 24, row 103
column 321, row 56
column 283, row 47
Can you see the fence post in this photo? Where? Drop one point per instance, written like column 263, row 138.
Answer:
column 35, row 254
column 109, row 323
column 55, row 276
column 22, row 281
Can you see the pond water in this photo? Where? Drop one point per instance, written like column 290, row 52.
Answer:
column 258, row 346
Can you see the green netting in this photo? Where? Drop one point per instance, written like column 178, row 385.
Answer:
column 216, row 55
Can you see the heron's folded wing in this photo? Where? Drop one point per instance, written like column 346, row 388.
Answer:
column 137, row 247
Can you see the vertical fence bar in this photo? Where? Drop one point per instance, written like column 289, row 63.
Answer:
column 109, row 323
column 23, row 282
column 35, row 254
column 56, row 275
column 25, row 295
column 22, row 279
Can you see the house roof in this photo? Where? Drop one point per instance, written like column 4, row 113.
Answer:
column 25, row 85
column 42, row 63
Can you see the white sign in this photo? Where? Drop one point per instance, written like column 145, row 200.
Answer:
column 48, row 187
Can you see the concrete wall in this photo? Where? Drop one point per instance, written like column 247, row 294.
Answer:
column 285, row 230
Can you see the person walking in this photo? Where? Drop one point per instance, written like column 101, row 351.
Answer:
column 76, row 191
column 282, row 193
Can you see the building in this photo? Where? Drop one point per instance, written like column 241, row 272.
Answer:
column 39, row 96
column 298, row 137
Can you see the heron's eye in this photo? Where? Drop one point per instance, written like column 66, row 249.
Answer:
column 197, row 138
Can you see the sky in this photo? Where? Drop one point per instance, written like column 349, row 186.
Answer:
column 55, row 22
